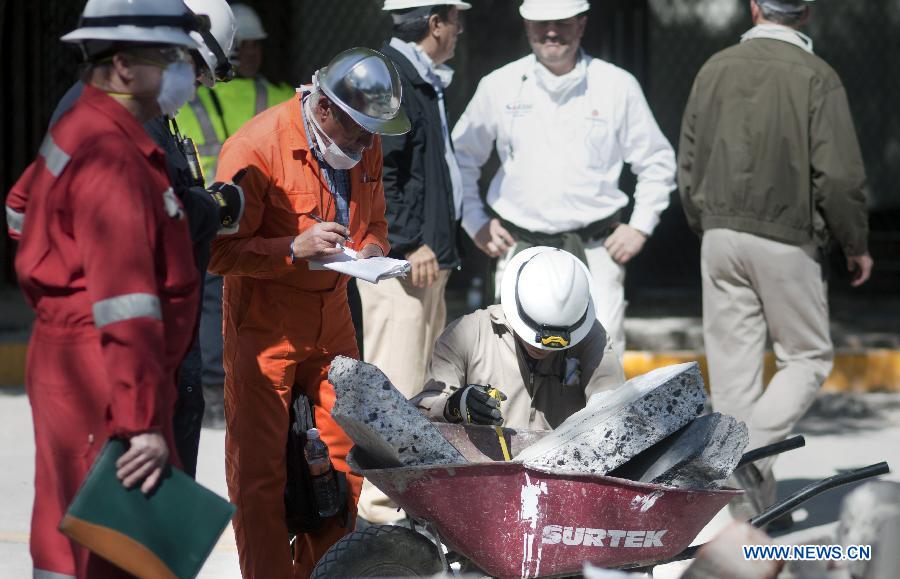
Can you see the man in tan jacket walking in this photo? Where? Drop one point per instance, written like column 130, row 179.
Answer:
column 542, row 347
column 769, row 172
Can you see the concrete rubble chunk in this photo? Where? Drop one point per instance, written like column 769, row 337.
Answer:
column 380, row 420
column 867, row 513
column 617, row 425
column 701, row 455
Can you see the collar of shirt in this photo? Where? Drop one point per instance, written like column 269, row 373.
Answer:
column 438, row 76
column 337, row 180
column 106, row 105
column 559, row 86
column 779, row 32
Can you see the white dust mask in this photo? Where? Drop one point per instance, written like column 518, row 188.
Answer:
column 333, row 155
column 177, row 87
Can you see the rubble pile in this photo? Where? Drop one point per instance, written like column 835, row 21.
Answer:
column 618, row 425
column 646, row 430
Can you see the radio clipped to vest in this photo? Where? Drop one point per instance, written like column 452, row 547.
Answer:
column 189, row 149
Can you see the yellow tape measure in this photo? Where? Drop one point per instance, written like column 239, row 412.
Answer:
column 494, row 393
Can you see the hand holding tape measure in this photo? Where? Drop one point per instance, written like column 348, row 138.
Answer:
column 477, row 404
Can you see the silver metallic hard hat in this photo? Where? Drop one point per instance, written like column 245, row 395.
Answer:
column 366, row 86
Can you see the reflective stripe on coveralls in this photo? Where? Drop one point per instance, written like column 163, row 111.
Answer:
column 126, row 307
column 41, row 574
column 15, row 220
column 55, row 158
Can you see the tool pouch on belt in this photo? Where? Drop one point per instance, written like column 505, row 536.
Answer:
column 299, row 502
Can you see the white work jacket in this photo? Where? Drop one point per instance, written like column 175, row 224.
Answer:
column 562, row 150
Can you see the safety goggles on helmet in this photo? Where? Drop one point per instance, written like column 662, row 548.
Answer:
column 160, row 56
column 549, row 336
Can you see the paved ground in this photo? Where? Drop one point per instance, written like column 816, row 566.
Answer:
column 843, row 432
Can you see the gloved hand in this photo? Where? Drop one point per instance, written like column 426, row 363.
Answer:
column 230, row 199
column 475, row 405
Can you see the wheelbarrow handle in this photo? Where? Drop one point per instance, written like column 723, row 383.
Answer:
column 791, row 443
column 795, row 500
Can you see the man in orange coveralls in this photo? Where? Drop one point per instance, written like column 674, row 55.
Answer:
column 313, row 183
column 105, row 259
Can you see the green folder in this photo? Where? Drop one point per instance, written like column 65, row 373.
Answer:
column 168, row 534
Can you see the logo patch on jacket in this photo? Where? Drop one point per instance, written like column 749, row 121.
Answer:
column 173, row 207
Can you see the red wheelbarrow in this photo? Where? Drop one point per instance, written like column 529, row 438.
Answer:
column 512, row 521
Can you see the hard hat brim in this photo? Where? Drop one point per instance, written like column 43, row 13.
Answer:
column 547, row 13
column 399, row 125
column 127, row 34
column 508, row 301
column 390, row 6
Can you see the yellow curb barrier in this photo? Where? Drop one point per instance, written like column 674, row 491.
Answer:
column 12, row 363
column 874, row 370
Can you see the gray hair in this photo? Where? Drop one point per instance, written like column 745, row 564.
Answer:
column 781, row 12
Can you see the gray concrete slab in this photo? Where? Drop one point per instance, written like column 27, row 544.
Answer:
column 617, row 425
column 380, row 421
column 701, row 455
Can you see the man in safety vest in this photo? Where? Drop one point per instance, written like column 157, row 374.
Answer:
column 313, row 184
column 212, row 116
column 105, row 260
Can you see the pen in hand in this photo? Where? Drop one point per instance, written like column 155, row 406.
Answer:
column 320, row 220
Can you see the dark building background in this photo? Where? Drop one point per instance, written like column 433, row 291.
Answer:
column 662, row 42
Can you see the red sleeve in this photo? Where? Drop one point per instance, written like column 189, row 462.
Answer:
column 116, row 216
column 244, row 252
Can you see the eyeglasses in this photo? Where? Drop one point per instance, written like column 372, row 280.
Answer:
column 347, row 123
column 162, row 56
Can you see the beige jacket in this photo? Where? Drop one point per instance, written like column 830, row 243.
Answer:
column 481, row 349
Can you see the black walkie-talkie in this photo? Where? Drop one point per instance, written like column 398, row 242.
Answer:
column 189, row 149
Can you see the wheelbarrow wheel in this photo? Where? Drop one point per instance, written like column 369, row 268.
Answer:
column 380, row 551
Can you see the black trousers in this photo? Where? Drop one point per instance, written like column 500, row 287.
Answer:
column 188, row 417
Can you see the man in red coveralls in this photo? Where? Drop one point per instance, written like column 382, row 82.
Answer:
column 105, row 260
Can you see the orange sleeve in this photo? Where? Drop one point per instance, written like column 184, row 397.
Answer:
column 245, row 252
column 377, row 231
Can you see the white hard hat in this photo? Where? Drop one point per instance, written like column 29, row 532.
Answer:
column 405, row 4
column 139, row 21
column 552, row 9
column 546, row 297
column 249, row 26
column 215, row 43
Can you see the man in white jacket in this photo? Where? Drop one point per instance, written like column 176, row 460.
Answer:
column 563, row 123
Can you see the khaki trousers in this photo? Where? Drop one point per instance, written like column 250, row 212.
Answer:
column 609, row 289
column 400, row 325
column 753, row 287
